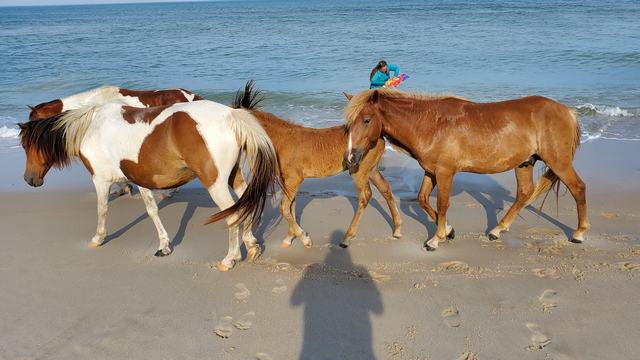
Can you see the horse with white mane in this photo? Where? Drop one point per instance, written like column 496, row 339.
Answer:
column 159, row 148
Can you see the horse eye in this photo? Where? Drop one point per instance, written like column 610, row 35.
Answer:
column 367, row 120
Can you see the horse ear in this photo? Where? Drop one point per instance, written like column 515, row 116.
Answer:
column 22, row 126
column 374, row 97
column 347, row 95
column 31, row 107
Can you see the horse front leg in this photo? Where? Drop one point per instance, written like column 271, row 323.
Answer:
column 385, row 189
column 363, row 189
column 428, row 183
column 164, row 248
column 102, row 194
column 444, row 179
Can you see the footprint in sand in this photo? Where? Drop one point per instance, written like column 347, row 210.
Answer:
column 244, row 323
column 263, row 356
column 468, row 355
column 242, row 293
column 280, row 288
column 629, row 266
column 451, row 316
column 546, row 273
column 538, row 339
column 453, row 266
column 548, row 300
column 223, row 329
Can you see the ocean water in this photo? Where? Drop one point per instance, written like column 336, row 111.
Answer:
column 585, row 54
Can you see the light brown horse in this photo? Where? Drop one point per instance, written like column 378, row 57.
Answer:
column 315, row 153
column 448, row 134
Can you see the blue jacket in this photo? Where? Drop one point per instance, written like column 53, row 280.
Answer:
column 379, row 78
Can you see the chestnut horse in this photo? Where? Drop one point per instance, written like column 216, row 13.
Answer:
column 104, row 94
column 448, row 134
column 315, row 153
column 159, row 148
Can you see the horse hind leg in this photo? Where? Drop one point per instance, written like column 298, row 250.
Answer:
column 568, row 175
column 288, row 212
column 236, row 181
column 524, row 180
column 445, row 180
column 164, row 247
column 220, row 194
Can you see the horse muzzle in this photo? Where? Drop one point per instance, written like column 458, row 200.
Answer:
column 33, row 180
column 353, row 158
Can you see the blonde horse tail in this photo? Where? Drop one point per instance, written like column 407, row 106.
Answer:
column 549, row 180
column 264, row 169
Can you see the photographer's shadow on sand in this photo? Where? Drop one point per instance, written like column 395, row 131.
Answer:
column 338, row 299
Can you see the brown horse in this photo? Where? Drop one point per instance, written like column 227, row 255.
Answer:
column 448, row 134
column 315, row 153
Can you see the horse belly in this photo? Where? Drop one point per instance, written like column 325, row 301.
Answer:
column 157, row 174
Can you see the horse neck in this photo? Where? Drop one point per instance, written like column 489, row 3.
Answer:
column 90, row 97
column 400, row 124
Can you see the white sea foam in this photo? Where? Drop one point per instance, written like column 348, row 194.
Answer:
column 9, row 132
column 589, row 108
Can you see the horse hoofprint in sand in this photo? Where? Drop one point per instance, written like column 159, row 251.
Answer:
column 163, row 148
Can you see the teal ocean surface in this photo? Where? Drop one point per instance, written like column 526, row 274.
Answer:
column 585, row 54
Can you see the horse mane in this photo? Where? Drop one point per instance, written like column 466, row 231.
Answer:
column 251, row 99
column 58, row 138
column 51, row 143
column 358, row 102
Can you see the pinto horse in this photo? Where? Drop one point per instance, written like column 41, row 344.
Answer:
column 159, row 148
column 447, row 134
column 104, row 94
column 315, row 153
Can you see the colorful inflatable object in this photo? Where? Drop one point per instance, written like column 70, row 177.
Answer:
column 395, row 81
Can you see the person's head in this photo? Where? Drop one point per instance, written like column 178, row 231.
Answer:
column 381, row 65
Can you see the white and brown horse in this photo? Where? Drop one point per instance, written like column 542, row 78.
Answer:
column 160, row 148
column 448, row 134
column 105, row 94
column 315, row 153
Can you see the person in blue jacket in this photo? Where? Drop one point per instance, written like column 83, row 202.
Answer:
column 380, row 74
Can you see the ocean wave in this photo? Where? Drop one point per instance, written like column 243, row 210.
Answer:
column 591, row 109
column 9, row 133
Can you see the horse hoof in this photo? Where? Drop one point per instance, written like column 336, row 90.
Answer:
column 162, row 252
column 93, row 245
column 452, row 234
column 224, row 268
column 285, row 244
column 397, row 235
column 492, row 237
column 429, row 248
column 254, row 253
column 576, row 241
column 343, row 245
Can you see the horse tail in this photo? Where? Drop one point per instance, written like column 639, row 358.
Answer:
column 249, row 98
column 264, row 169
column 549, row 180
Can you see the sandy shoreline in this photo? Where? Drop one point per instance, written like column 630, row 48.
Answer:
column 531, row 295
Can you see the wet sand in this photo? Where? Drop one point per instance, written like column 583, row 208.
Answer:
column 530, row 295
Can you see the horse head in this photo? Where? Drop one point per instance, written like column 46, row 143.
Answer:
column 364, row 125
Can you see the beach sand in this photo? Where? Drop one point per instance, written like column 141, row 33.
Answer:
column 530, row 295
